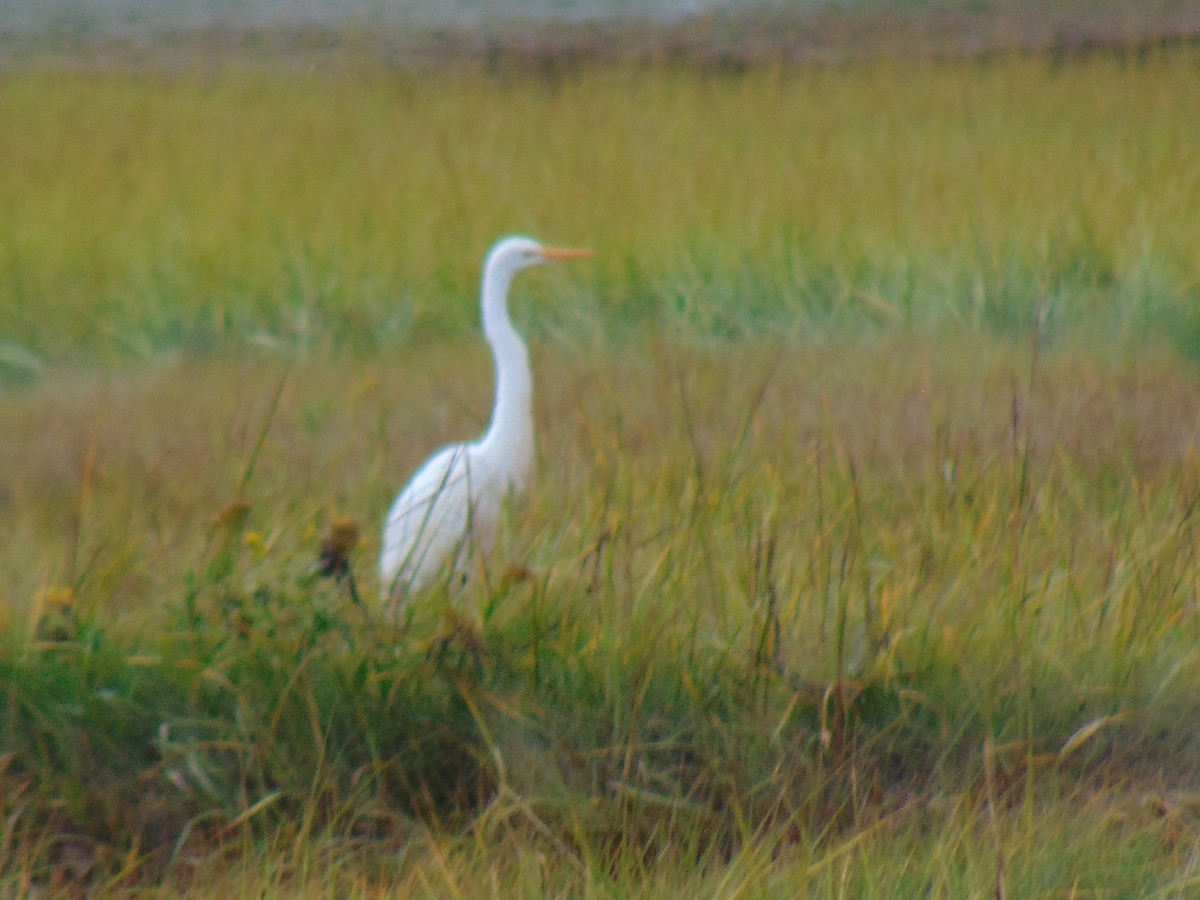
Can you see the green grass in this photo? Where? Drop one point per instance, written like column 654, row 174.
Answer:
column 861, row 558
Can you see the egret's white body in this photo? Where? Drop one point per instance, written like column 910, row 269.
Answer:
column 451, row 507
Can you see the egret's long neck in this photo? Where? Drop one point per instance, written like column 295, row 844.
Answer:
column 510, row 435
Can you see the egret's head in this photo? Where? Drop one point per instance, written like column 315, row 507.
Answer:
column 511, row 254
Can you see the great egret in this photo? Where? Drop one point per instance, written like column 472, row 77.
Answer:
column 452, row 504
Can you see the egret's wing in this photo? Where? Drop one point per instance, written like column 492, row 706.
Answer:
column 428, row 521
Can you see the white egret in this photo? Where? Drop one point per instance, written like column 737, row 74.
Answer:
column 451, row 506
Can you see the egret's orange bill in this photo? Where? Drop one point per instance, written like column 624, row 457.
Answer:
column 566, row 253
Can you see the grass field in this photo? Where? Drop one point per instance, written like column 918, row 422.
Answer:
column 861, row 559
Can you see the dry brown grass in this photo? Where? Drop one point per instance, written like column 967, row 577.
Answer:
column 130, row 468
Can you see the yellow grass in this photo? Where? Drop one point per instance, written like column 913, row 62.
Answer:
column 140, row 202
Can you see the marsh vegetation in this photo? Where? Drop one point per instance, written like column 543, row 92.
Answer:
column 861, row 557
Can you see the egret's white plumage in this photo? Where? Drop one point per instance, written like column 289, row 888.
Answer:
column 452, row 504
